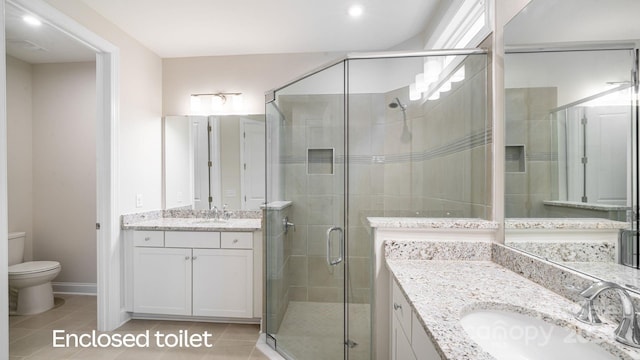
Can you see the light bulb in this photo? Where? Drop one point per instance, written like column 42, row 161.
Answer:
column 32, row 20
column 196, row 105
column 414, row 94
column 458, row 75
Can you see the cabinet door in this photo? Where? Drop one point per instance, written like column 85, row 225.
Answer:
column 162, row 281
column 422, row 346
column 223, row 283
column 400, row 346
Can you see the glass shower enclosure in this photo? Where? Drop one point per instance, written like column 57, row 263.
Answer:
column 389, row 134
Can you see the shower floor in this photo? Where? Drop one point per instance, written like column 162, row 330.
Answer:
column 313, row 331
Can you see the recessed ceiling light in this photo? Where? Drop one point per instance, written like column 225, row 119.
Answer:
column 355, row 11
column 31, row 20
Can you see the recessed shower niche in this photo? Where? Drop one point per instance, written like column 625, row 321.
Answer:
column 320, row 161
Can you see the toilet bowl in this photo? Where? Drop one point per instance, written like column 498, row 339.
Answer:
column 30, row 290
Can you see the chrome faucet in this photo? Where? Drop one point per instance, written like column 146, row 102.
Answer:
column 216, row 212
column 628, row 332
column 227, row 214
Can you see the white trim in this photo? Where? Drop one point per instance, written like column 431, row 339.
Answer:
column 215, row 181
column 74, row 288
column 107, row 88
column 4, row 226
column 457, row 20
column 243, row 184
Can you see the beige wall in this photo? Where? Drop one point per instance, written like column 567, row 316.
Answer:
column 51, row 151
column 64, row 168
column 140, row 110
column 253, row 75
column 19, row 149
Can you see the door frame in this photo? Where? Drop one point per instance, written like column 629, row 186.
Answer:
column 110, row 312
column 243, row 185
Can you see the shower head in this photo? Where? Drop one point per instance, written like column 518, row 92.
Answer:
column 396, row 103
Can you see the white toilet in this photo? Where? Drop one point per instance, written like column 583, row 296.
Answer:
column 30, row 289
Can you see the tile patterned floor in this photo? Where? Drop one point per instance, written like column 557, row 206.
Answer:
column 31, row 337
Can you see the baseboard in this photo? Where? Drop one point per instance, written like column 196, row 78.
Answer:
column 75, row 288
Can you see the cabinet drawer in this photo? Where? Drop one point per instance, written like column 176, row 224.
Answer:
column 236, row 240
column 192, row 239
column 148, row 238
column 401, row 308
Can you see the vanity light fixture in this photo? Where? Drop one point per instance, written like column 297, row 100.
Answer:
column 31, row 20
column 426, row 83
column 216, row 103
column 446, row 86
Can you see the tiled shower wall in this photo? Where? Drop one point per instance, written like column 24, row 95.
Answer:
column 528, row 124
column 313, row 122
column 277, row 262
column 434, row 166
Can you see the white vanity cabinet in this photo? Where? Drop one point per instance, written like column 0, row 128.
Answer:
column 409, row 341
column 209, row 274
column 222, row 283
column 162, row 281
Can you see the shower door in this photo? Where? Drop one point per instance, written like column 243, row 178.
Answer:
column 305, row 217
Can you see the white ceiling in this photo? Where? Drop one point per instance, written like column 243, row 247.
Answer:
column 42, row 44
column 185, row 28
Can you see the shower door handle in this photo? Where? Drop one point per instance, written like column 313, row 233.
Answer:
column 338, row 260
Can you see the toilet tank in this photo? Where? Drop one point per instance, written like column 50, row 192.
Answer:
column 16, row 247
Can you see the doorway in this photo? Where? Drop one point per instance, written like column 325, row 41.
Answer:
column 107, row 224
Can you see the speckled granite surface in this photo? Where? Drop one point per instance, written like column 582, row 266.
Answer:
column 431, row 223
column 565, row 251
column 191, row 220
column 611, row 271
column 563, row 223
column 194, row 224
column 188, row 213
column 441, row 292
column 437, row 250
column 581, row 205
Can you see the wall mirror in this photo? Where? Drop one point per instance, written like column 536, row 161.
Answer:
column 570, row 123
column 213, row 160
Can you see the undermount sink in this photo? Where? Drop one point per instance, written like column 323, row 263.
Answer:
column 512, row 336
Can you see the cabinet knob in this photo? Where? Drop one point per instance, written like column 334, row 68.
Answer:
column 147, row 238
column 396, row 306
column 194, row 258
column 235, row 241
column 187, row 257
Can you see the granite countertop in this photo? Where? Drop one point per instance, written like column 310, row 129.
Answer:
column 589, row 206
column 431, row 223
column 194, row 224
column 442, row 291
column 563, row 224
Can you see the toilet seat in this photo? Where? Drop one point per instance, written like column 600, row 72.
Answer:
column 32, row 267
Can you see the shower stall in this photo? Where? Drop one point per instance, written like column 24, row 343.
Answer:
column 389, row 134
